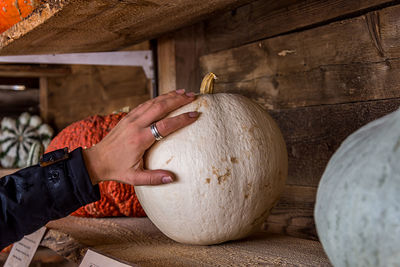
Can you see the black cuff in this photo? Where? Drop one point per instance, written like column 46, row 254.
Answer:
column 68, row 181
column 84, row 190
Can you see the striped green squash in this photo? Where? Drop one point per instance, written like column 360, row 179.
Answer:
column 35, row 152
column 18, row 135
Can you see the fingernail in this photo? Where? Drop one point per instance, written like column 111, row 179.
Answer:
column 193, row 114
column 190, row 94
column 180, row 91
column 166, row 180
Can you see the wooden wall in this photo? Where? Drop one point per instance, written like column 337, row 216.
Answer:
column 86, row 90
column 13, row 103
column 321, row 68
column 91, row 90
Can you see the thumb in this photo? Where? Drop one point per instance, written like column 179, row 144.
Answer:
column 150, row 177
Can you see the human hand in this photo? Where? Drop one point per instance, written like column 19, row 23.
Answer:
column 119, row 156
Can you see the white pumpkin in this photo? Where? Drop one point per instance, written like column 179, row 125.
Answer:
column 17, row 137
column 230, row 167
column 358, row 201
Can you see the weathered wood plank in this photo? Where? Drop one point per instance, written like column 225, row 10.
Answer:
column 13, row 103
column 19, row 98
column 348, row 61
column 178, row 59
column 81, row 26
column 4, row 172
column 43, row 257
column 166, row 62
column 293, row 215
column 189, row 46
column 9, row 70
column 313, row 134
column 136, row 239
column 44, row 99
column 262, row 19
column 91, row 90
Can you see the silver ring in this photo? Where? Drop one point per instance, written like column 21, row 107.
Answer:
column 155, row 132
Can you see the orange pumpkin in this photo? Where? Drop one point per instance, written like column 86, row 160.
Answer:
column 7, row 249
column 13, row 11
column 117, row 199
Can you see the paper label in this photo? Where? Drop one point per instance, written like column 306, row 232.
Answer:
column 94, row 259
column 23, row 251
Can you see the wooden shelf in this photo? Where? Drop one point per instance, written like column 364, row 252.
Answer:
column 138, row 241
column 4, row 172
column 15, row 70
column 82, row 26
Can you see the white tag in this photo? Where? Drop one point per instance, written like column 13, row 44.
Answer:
column 94, row 259
column 22, row 251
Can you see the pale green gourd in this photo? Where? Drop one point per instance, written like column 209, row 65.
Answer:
column 357, row 211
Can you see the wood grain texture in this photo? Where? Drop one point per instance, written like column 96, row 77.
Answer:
column 81, row 26
column 293, row 215
column 263, row 19
column 43, row 257
column 44, row 99
column 91, row 90
column 312, row 134
column 4, row 172
column 19, row 98
column 138, row 241
column 189, row 46
column 178, row 59
column 13, row 103
column 348, row 61
column 10, row 70
column 166, row 62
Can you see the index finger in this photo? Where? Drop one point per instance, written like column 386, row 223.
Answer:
column 160, row 109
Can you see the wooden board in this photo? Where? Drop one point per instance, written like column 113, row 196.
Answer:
column 166, row 64
column 263, row 19
column 138, row 241
column 313, row 134
column 91, row 90
column 178, row 59
column 43, row 257
column 348, row 61
column 4, row 172
column 44, row 99
column 19, row 98
column 13, row 103
column 10, row 70
column 189, row 46
column 293, row 215
column 60, row 26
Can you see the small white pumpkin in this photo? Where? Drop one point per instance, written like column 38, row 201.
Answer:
column 18, row 135
column 357, row 211
column 230, row 167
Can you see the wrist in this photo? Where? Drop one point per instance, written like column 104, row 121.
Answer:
column 92, row 163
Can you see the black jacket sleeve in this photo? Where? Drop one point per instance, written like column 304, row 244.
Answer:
column 35, row 195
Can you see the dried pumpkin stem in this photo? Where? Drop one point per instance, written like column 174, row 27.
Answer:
column 207, row 85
